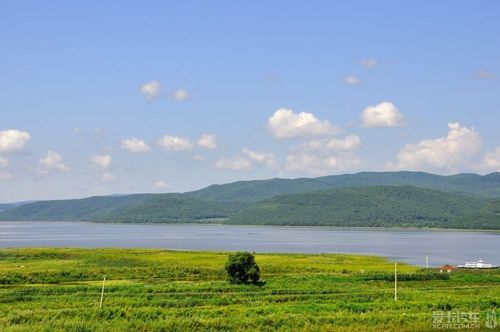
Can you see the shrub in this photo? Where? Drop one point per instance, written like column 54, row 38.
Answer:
column 241, row 268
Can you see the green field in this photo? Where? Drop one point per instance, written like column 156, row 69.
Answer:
column 159, row 290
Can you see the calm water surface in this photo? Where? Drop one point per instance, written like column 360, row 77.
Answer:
column 452, row 247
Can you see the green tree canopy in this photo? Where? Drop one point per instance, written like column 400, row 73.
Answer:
column 241, row 268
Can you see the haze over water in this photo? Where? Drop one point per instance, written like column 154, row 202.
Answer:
column 444, row 247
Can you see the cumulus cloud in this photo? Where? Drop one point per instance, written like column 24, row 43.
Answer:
column 265, row 158
column 348, row 143
column 160, row 184
column 107, row 177
column 320, row 163
column 174, row 143
column 368, row 63
column 450, row 153
column 285, row 123
column 207, row 141
column 151, row 90
column 53, row 162
column 237, row 164
column 384, row 114
column 324, row 156
column 180, row 95
column 491, row 161
column 485, row 75
column 102, row 161
column 352, row 80
column 135, row 145
column 12, row 140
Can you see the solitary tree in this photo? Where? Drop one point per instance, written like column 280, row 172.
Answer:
column 241, row 268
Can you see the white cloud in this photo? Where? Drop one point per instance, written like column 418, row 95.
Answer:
column 491, row 161
column 352, row 80
column 320, row 163
column 160, row 184
column 324, row 156
column 102, row 161
column 107, row 177
column 151, row 90
column 485, row 75
column 51, row 163
column 348, row 143
column 265, row 158
column 4, row 162
column 198, row 157
column 368, row 63
column 384, row 114
column 180, row 95
column 174, row 143
column 284, row 123
column 135, row 145
column 236, row 164
column 13, row 140
column 207, row 141
column 450, row 153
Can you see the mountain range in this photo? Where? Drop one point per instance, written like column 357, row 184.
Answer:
column 401, row 199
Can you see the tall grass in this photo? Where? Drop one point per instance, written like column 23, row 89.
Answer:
column 158, row 290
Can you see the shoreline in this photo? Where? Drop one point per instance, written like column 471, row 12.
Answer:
column 340, row 228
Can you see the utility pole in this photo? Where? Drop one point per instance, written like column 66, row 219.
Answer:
column 102, row 292
column 426, row 259
column 395, row 281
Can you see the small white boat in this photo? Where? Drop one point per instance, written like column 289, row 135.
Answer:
column 480, row 264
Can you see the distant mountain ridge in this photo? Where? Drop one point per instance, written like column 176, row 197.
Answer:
column 375, row 206
column 472, row 184
column 4, row 207
column 460, row 201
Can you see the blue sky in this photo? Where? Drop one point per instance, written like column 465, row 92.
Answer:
column 113, row 97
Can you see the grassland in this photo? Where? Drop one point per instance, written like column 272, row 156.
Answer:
column 158, row 290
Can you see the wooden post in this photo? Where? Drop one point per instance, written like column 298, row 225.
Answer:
column 395, row 281
column 102, row 292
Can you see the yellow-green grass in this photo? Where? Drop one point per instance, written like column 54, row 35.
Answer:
column 160, row 290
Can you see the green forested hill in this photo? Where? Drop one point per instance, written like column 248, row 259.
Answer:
column 472, row 184
column 172, row 208
column 4, row 207
column 363, row 199
column 401, row 206
column 71, row 209
column 256, row 190
column 131, row 208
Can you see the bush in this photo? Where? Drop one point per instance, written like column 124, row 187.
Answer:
column 241, row 268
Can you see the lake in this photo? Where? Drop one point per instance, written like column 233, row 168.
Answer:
column 444, row 246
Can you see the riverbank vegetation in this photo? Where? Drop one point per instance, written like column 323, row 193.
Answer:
column 159, row 290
